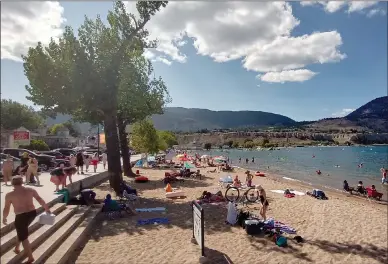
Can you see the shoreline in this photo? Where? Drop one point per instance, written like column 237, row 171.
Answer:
column 310, row 186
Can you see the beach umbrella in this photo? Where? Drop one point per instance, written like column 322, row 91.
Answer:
column 204, row 156
column 188, row 166
column 220, row 158
column 183, row 159
column 179, row 156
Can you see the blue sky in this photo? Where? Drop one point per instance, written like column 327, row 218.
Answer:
column 200, row 82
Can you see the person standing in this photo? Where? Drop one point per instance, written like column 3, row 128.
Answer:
column 79, row 162
column 95, row 161
column 72, row 160
column 21, row 198
column 384, row 175
column 32, row 171
column 24, row 166
column 263, row 201
column 7, row 169
column 87, row 162
column 105, row 159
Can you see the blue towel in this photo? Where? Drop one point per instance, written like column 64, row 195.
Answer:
column 152, row 221
column 156, row 209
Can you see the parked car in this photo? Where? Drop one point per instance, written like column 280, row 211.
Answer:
column 16, row 164
column 45, row 162
column 65, row 151
column 56, row 154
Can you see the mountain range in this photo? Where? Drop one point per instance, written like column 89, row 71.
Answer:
column 373, row 116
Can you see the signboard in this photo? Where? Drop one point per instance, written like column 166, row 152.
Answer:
column 198, row 226
column 21, row 137
column 102, row 138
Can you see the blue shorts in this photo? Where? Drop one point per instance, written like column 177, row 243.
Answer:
column 384, row 180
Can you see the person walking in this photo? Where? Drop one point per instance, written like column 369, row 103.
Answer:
column 32, row 170
column 7, row 169
column 80, row 162
column 87, row 160
column 21, row 198
column 72, row 160
column 24, row 166
column 105, row 159
column 95, row 161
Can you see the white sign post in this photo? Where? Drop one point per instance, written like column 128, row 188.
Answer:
column 198, row 229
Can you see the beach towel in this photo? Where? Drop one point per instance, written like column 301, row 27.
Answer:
column 292, row 191
column 189, row 166
column 153, row 221
column 156, row 209
column 271, row 223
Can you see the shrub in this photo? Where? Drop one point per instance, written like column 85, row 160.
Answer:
column 38, row 145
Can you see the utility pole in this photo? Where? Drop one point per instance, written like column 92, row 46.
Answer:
column 98, row 140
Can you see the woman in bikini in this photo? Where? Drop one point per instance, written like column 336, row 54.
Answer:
column 264, row 201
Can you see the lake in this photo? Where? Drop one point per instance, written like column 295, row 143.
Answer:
column 336, row 163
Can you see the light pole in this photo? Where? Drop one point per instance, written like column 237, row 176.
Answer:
column 98, row 140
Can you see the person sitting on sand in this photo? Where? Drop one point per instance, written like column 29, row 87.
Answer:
column 212, row 171
column 236, row 182
column 347, row 188
column 361, row 188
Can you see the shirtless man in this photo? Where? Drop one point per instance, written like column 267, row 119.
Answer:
column 22, row 200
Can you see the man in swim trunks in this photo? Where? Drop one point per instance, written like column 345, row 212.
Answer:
column 22, row 200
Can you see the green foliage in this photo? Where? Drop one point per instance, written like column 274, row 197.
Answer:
column 249, row 144
column 15, row 115
column 168, row 137
column 69, row 125
column 230, row 143
column 207, row 146
column 144, row 137
column 265, row 142
column 38, row 145
column 236, row 144
column 82, row 76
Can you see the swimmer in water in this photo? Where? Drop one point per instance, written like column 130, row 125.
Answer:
column 313, row 156
column 319, row 172
column 360, row 165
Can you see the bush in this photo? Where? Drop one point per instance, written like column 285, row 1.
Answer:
column 38, row 145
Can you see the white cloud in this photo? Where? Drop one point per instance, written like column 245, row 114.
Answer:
column 300, row 75
column 343, row 112
column 259, row 33
column 352, row 6
column 375, row 12
column 23, row 24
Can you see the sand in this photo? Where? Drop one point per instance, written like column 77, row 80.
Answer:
column 339, row 230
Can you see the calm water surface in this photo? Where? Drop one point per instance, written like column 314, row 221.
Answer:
column 335, row 163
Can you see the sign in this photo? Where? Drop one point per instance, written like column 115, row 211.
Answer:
column 102, row 138
column 198, row 226
column 21, row 137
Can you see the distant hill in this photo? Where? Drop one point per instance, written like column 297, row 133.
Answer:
column 193, row 119
column 372, row 116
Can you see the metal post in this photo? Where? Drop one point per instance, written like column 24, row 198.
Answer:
column 98, row 141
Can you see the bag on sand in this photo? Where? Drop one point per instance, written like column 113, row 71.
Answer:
column 46, row 219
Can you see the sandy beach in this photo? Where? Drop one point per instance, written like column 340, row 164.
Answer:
column 342, row 229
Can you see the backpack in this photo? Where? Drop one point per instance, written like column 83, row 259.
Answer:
column 242, row 216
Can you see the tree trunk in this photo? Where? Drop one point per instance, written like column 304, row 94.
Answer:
column 112, row 147
column 124, row 149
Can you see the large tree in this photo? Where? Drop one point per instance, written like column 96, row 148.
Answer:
column 139, row 97
column 81, row 75
column 144, row 137
column 15, row 115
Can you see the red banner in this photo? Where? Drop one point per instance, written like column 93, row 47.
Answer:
column 21, row 135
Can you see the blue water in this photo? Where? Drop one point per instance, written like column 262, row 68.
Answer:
column 299, row 164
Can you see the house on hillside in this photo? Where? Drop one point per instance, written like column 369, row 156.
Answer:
column 62, row 139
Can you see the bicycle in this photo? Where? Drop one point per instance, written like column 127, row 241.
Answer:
column 249, row 195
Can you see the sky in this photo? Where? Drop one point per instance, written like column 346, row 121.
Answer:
column 304, row 60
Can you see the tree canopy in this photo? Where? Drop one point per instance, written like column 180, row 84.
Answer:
column 168, row 138
column 144, row 137
column 83, row 76
column 15, row 115
column 73, row 131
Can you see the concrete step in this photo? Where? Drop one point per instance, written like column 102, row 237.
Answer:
column 9, row 240
column 55, row 241
column 11, row 225
column 40, row 235
column 66, row 248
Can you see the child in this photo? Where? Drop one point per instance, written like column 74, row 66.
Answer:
column 249, row 178
column 95, row 161
column 87, row 162
column 104, row 159
column 7, row 169
column 58, row 177
column 236, row 182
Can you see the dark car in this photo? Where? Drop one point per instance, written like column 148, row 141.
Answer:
column 65, row 151
column 56, row 154
column 45, row 162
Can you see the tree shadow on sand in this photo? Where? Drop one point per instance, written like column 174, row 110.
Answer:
column 367, row 250
column 159, row 184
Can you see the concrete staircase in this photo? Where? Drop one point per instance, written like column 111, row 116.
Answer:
column 51, row 244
